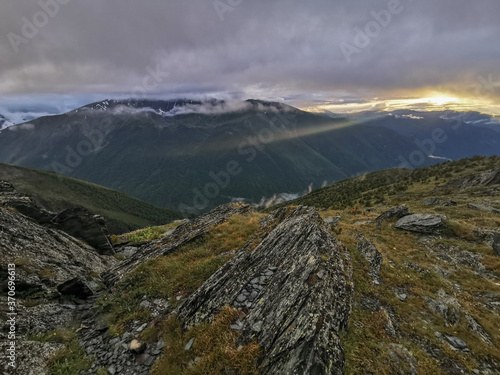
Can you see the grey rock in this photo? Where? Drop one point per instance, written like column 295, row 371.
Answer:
column 112, row 370
column 401, row 355
column 180, row 236
column 189, row 345
column 486, row 178
column 368, row 250
column 257, row 327
column 128, row 251
column 482, row 207
column 241, row 298
column 421, row 223
column 333, row 221
column 478, row 330
column 298, row 319
column 45, row 249
column 394, row 213
column 142, row 327
column 438, row 202
column 86, row 226
column 160, row 345
column 141, row 358
column 402, row 296
column 446, row 306
column 456, row 342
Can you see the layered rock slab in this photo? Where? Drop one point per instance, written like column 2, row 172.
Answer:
column 301, row 285
column 182, row 235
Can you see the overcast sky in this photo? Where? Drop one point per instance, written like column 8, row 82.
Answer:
column 304, row 52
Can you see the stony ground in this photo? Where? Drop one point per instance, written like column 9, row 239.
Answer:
column 409, row 285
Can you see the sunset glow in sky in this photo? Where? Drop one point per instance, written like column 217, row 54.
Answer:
column 340, row 56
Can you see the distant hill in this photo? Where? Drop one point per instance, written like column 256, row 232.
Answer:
column 374, row 188
column 177, row 154
column 56, row 192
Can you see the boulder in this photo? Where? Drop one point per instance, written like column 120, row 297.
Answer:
column 86, row 226
column 456, row 343
column 421, row 223
column 297, row 289
column 394, row 213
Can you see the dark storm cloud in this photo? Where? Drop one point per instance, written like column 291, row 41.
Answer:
column 252, row 48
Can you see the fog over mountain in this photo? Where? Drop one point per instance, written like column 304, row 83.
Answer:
column 307, row 54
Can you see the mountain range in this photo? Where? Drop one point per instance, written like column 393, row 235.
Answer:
column 192, row 155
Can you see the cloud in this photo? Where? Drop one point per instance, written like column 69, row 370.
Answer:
column 280, row 49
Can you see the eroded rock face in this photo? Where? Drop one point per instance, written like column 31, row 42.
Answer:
column 296, row 291
column 77, row 222
column 86, row 226
column 421, row 223
column 45, row 257
column 180, row 236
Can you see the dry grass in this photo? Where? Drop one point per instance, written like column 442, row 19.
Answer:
column 215, row 350
column 179, row 273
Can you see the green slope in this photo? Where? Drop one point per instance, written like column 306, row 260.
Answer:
column 55, row 193
column 374, row 188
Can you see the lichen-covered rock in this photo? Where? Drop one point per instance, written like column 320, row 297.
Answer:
column 181, row 235
column 372, row 255
column 295, row 290
column 44, row 257
column 446, row 306
column 421, row 223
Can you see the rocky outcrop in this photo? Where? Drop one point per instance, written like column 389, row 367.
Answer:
column 446, row 306
column 44, row 257
column 487, row 178
column 394, row 213
column 180, row 236
column 438, row 202
column 295, row 290
column 86, row 226
column 372, row 255
column 483, row 207
column 421, row 223
column 77, row 222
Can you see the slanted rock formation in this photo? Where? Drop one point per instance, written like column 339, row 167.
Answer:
column 296, row 291
column 181, row 235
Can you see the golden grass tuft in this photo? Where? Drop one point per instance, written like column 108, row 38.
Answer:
column 215, row 350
